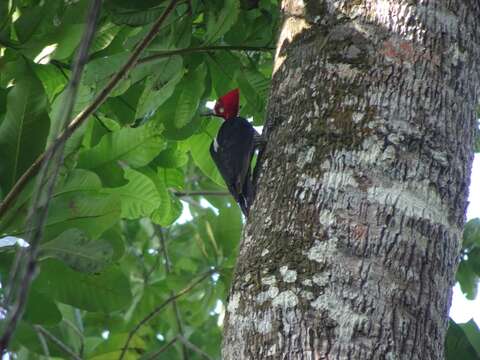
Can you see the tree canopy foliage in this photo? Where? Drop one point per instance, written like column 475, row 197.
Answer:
column 119, row 275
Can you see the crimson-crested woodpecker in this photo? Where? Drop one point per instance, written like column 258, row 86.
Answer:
column 233, row 148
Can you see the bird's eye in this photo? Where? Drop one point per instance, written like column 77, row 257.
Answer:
column 220, row 110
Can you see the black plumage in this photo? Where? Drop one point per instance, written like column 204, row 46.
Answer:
column 232, row 151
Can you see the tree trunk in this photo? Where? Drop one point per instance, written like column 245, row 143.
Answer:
column 353, row 240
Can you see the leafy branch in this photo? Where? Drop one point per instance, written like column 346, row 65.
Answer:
column 159, row 308
column 163, row 54
column 89, row 110
column 200, row 193
column 49, row 166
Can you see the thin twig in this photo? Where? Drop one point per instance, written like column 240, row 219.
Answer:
column 193, row 347
column 58, row 342
column 49, row 168
column 89, row 110
column 159, row 308
column 168, row 269
column 200, row 193
column 167, row 53
column 162, row 349
column 78, row 332
column 43, row 342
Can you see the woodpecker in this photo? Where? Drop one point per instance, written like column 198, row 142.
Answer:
column 233, row 148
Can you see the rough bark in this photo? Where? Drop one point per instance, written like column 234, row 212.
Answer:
column 353, row 240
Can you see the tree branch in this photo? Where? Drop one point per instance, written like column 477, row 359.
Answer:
column 162, row 349
column 58, row 342
column 43, row 342
column 159, row 308
column 89, row 110
column 200, row 193
column 168, row 269
column 193, row 347
column 49, row 167
column 167, row 53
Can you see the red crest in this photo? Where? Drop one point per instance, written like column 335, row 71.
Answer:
column 227, row 105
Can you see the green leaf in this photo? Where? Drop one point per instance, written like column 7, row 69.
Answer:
column 77, row 203
column 135, row 18
column 134, row 146
column 218, row 23
column 458, row 345
column 75, row 249
column 24, row 129
column 104, row 37
column 254, row 87
column 173, row 157
column 100, row 69
column 169, row 208
column 179, row 36
column 189, row 100
column 106, row 292
column 84, row 96
column 139, row 197
column 112, row 347
column 223, row 69
column 468, row 280
column 472, row 332
column 67, row 38
column 41, row 309
column 160, row 87
column 200, row 151
column 228, row 228
column 471, row 233
column 27, row 24
column 52, row 79
column 173, row 178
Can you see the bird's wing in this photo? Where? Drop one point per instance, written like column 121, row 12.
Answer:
column 232, row 152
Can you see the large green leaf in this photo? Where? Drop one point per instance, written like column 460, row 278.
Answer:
column 467, row 279
column 41, row 309
column 27, row 24
column 75, row 249
column 218, row 23
column 25, row 127
column 106, row 291
column 176, row 36
column 161, row 86
column 67, row 39
column 228, row 227
column 104, row 37
column 52, row 79
column 135, row 17
column 173, row 157
column 200, row 151
column 134, row 146
column 78, row 202
column 472, row 332
column 139, row 196
column 458, row 345
column 169, row 208
column 254, row 87
column 189, row 100
column 471, row 233
column 99, row 70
